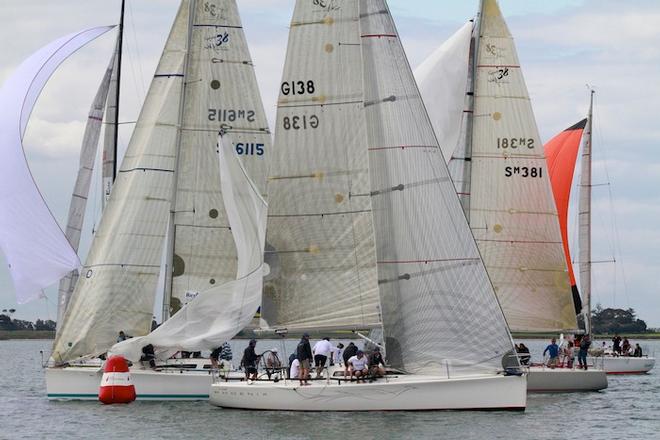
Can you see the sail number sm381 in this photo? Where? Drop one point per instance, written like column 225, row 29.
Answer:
column 503, row 143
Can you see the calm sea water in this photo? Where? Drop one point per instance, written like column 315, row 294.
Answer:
column 629, row 408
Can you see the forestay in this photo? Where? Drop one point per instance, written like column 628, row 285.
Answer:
column 221, row 92
column 219, row 313
column 118, row 282
column 81, row 187
column 36, row 249
column 320, row 236
column 436, row 297
column 512, row 210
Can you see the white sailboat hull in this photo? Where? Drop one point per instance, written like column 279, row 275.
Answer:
column 82, row 382
column 401, row 393
column 565, row 380
column 623, row 364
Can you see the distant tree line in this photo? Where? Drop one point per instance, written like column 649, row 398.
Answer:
column 616, row 321
column 9, row 324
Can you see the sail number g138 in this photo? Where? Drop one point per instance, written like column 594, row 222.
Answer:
column 297, row 87
column 300, row 122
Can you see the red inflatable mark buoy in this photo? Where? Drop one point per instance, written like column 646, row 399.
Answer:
column 116, row 385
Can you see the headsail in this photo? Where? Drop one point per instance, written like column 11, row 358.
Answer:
column 118, row 282
column 443, row 79
column 320, row 239
column 219, row 313
column 81, row 187
column 561, row 154
column 36, row 249
column 436, row 297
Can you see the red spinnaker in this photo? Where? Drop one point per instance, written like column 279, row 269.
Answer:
column 561, row 154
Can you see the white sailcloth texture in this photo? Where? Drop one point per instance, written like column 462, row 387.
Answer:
column 36, row 249
column 584, row 218
column 117, row 285
column 320, row 239
column 442, row 80
column 80, row 194
column 222, row 93
column 219, row 313
column 512, row 210
column 435, row 294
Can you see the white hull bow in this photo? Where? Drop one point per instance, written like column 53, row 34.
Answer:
column 623, row 364
column 191, row 381
column 565, row 380
column 397, row 393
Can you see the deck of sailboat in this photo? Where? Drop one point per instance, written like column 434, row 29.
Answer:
column 392, row 393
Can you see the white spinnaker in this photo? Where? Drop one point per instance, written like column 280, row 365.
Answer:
column 584, row 219
column 320, row 240
column 222, row 92
column 436, row 297
column 35, row 247
column 442, row 80
column 219, row 313
column 117, row 284
column 81, row 187
column 512, row 211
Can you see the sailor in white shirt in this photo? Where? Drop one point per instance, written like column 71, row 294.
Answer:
column 359, row 365
column 321, row 351
column 337, row 354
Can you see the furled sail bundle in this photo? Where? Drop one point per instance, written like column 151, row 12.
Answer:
column 501, row 174
column 561, row 154
column 356, row 241
column 36, row 249
column 169, row 191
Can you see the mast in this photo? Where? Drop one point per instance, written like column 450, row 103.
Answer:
column 169, row 261
column 120, row 39
column 584, row 219
column 465, row 183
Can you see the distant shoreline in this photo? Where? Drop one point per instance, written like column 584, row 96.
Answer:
column 42, row 334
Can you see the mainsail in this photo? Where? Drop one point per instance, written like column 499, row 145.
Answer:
column 320, row 234
column 221, row 92
column 171, row 178
column 584, row 219
column 561, row 154
column 118, row 282
column 350, row 221
column 37, row 251
column 512, row 212
column 433, row 283
column 83, row 181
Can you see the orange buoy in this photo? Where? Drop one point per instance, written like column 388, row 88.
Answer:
column 116, row 385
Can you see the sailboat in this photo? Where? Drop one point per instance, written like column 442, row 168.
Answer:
column 183, row 194
column 500, row 173
column 355, row 245
column 562, row 152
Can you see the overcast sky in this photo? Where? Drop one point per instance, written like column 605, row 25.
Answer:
column 562, row 44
